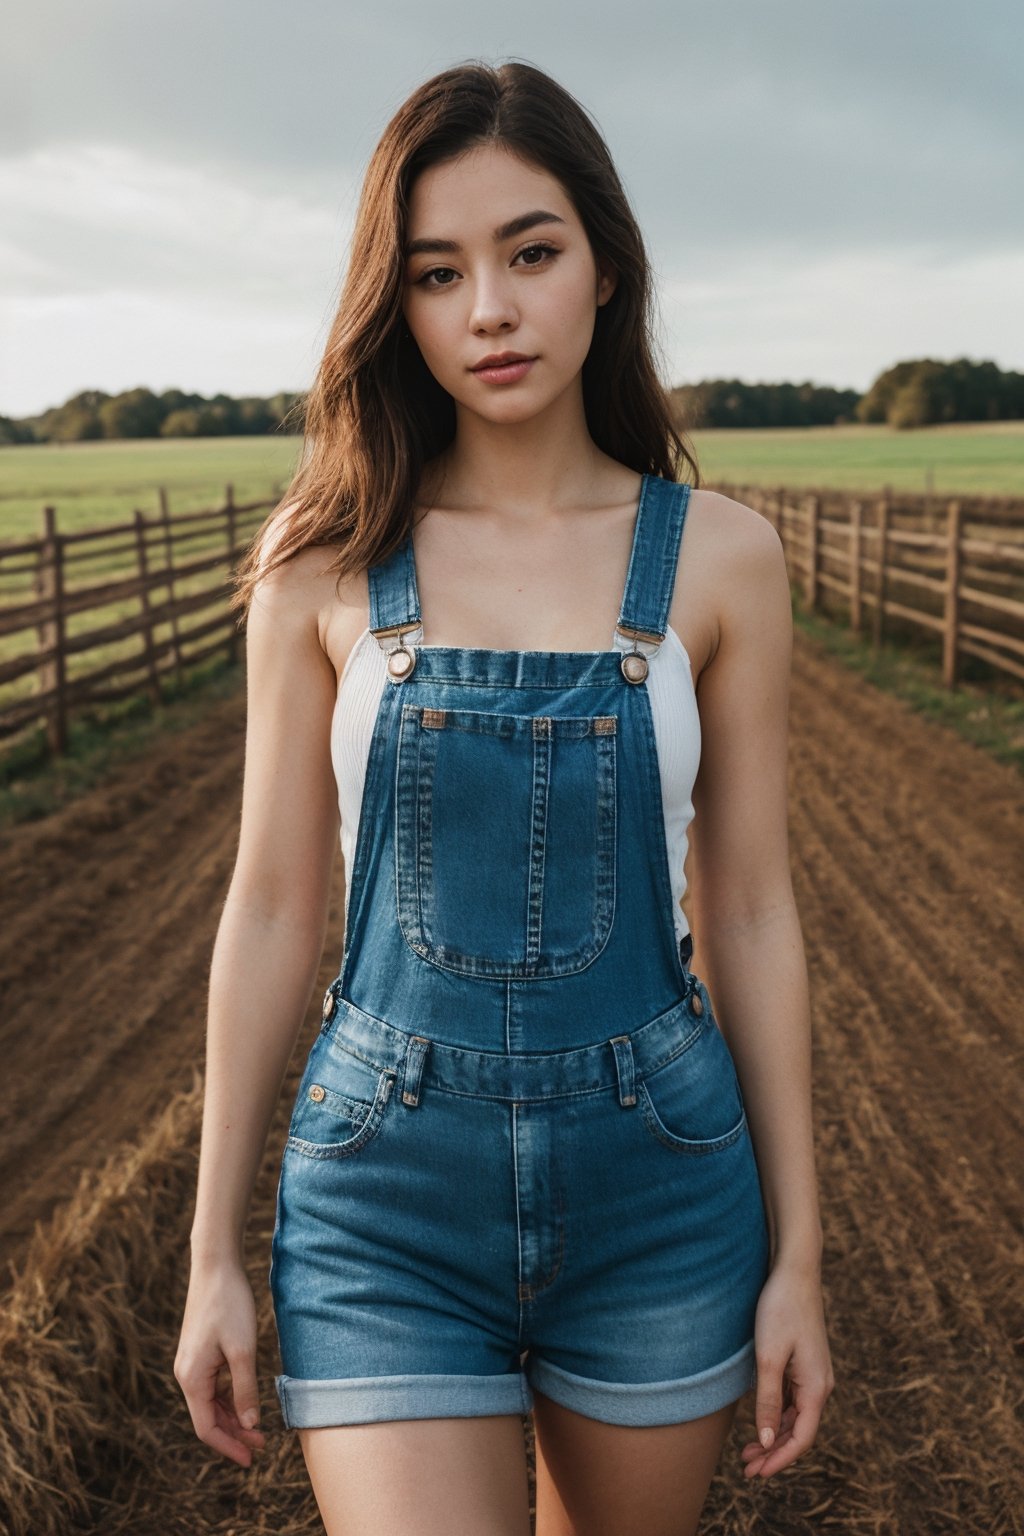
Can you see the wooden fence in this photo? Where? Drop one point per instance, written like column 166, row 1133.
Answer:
column 112, row 612
column 952, row 568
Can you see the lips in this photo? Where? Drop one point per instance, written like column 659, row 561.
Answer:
column 514, row 368
column 499, row 359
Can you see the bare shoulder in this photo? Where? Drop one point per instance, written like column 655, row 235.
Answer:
column 729, row 530
column 306, row 592
column 733, row 571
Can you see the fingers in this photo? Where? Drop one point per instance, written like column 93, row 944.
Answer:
column 797, row 1429
column 244, row 1391
column 212, row 1407
column 756, row 1455
column 769, row 1401
column 796, row 1434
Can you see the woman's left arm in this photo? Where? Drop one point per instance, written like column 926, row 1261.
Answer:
column 748, row 947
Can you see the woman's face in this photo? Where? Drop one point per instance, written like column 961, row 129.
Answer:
column 532, row 290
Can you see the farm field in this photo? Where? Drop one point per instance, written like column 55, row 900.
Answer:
column 92, row 482
column 906, row 848
column 969, row 458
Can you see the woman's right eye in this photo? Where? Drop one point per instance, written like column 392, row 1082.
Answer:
column 421, row 281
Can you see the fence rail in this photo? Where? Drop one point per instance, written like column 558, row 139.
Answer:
column 93, row 615
column 90, row 616
column 953, row 568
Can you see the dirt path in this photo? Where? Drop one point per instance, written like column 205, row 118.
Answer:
column 108, row 912
column 907, row 852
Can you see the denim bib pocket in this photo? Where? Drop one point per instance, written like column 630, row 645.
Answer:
column 505, row 839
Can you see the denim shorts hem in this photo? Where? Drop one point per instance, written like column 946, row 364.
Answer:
column 373, row 1399
column 650, row 1402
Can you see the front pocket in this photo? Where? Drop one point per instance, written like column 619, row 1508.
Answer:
column 505, row 839
column 340, row 1104
column 694, row 1103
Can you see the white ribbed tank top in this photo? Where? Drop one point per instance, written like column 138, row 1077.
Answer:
column 676, row 731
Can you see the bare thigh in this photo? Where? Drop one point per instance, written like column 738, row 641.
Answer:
column 597, row 1479
column 421, row 1477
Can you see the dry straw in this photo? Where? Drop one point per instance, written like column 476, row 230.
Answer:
column 95, row 1434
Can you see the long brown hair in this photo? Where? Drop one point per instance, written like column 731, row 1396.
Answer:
column 375, row 414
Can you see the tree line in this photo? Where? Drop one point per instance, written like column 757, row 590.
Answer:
column 94, row 415
column 920, row 393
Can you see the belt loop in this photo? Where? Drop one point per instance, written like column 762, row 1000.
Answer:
column 414, row 1059
column 624, row 1067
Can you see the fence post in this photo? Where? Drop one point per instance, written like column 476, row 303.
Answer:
column 951, row 631
column 883, row 560
column 855, row 555
column 165, row 521
column 811, row 584
column 229, row 510
column 49, row 586
column 153, row 679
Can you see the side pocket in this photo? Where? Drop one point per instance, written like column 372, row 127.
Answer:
column 341, row 1101
column 693, row 1102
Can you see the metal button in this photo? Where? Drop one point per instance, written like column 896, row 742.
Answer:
column 634, row 666
column 316, row 1093
column 401, row 662
column 697, row 1004
column 328, row 1003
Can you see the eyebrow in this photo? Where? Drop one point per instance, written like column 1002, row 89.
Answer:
column 516, row 226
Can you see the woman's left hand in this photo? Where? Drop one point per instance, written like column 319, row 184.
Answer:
column 794, row 1368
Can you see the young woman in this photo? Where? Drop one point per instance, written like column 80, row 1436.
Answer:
column 531, row 1163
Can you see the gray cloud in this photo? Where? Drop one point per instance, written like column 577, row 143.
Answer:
column 755, row 140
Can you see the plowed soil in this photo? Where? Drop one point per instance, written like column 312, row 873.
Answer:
column 908, row 860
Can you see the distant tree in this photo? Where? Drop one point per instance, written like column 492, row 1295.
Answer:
column 874, row 405
column 733, row 403
column 178, row 400
column 925, row 391
column 211, row 421
column 13, row 432
column 75, row 424
column 183, row 423
column 74, row 421
column 136, row 413
column 223, row 411
column 910, row 406
column 255, row 417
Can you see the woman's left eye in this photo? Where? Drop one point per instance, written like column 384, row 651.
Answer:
column 543, row 248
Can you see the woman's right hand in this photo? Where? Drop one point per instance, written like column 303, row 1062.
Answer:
column 218, row 1339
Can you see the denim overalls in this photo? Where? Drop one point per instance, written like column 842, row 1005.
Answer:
column 518, row 1154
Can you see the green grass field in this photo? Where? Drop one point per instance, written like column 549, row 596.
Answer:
column 94, row 483
column 969, row 459
column 90, row 483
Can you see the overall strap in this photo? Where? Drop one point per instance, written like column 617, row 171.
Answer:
column 394, row 597
column 650, row 578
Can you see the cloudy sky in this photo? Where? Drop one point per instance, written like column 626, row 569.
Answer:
column 825, row 188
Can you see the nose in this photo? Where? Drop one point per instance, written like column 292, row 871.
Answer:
column 493, row 305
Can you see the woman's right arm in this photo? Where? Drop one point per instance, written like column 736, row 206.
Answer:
column 263, row 969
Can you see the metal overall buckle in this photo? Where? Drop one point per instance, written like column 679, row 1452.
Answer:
column 634, row 663
column 401, row 657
